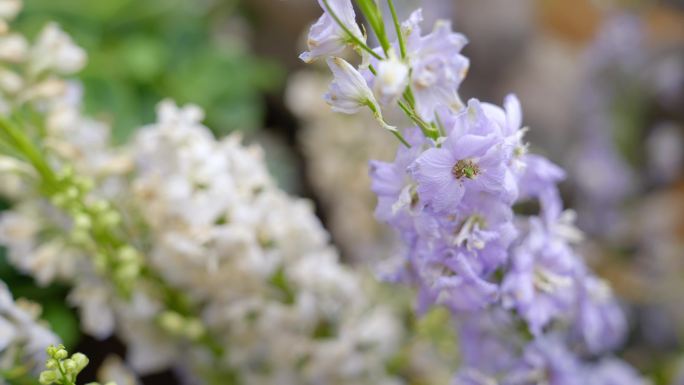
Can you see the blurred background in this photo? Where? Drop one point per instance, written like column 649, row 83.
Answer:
column 602, row 87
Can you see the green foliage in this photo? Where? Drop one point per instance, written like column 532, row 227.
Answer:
column 143, row 51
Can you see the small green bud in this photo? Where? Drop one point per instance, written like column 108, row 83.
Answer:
column 101, row 262
column 110, row 218
column 100, row 205
column 47, row 377
column 69, row 365
column 80, row 360
column 127, row 272
column 59, row 200
column 80, row 236
column 84, row 184
column 128, row 254
column 51, row 363
column 194, row 329
column 72, row 193
column 172, row 322
column 61, row 353
column 82, row 221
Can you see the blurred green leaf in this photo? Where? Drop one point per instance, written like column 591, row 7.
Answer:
column 143, row 51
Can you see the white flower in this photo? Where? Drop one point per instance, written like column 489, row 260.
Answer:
column 114, row 370
column 327, row 37
column 391, row 79
column 13, row 47
column 20, row 331
column 349, row 91
column 55, row 51
column 93, row 300
column 9, row 9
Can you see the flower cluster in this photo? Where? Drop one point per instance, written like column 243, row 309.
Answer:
column 180, row 244
column 336, row 148
column 22, row 337
column 273, row 287
column 528, row 308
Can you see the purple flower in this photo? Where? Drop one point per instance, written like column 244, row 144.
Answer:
column 540, row 284
column 546, row 361
column 539, row 180
column 600, row 323
column 487, row 334
column 612, row 371
column 437, row 64
column 482, row 228
column 459, row 285
column 392, row 184
column 327, row 37
column 465, row 164
column 471, row 376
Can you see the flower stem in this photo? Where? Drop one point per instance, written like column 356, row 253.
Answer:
column 427, row 130
column 351, row 36
column 373, row 15
column 397, row 27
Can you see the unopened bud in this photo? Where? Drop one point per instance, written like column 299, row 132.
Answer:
column 47, row 377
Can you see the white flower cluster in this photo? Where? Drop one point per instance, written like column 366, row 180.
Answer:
column 336, row 149
column 22, row 337
column 209, row 268
column 275, row 293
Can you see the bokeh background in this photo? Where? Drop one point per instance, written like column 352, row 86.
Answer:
column 602, row 86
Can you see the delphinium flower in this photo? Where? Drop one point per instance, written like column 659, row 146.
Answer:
column 527, row 308
column 334, row 30
column 23, row 338
column 337, row 148
column 627, row 163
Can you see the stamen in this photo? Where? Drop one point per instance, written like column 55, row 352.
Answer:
column 465, row 168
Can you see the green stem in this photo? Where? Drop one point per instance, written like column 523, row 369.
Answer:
column 24, row 146
column 397, row 27
column 372, row 13
column 351, row 36
column 428, row 131
column 65, row 379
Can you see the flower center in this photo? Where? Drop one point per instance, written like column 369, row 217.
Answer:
column 465, row 168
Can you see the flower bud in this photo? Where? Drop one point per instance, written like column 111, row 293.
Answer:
column 47, row 377
column 172, row 322
column 391, row 79
column 80, row 360
column 61, row 354
column 69, row 365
